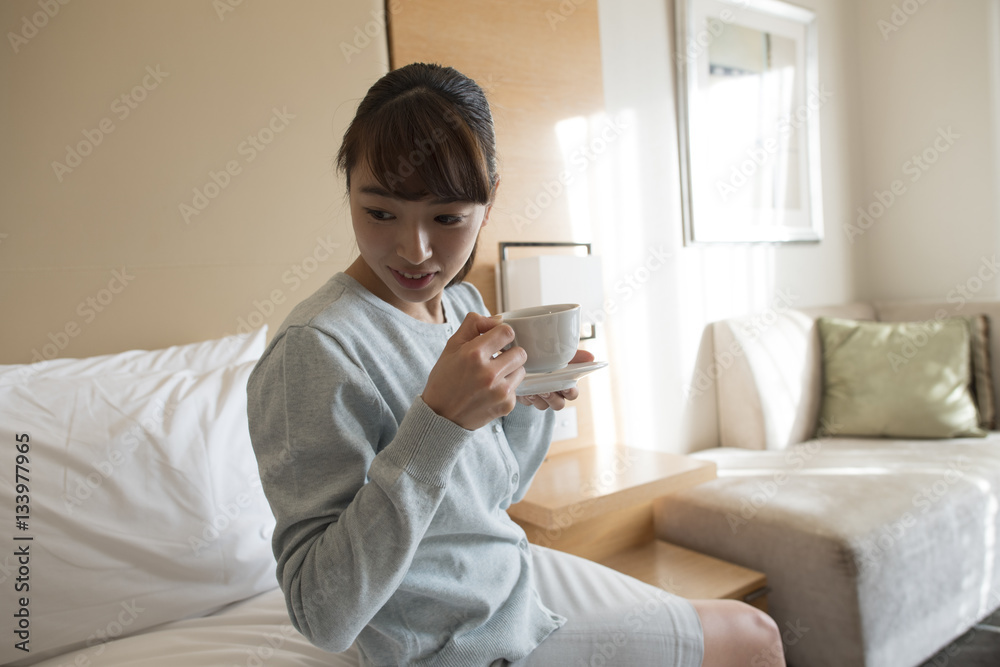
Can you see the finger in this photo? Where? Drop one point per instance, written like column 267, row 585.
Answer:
column 556, row 402
column 570, row 394
column 539, row 403
column 498, row 337
column 511, row 359
column 486, row 323
column 582, row 356
column 473, row 325
column 514, row 376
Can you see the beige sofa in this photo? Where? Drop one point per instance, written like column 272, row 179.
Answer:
column 878, row 552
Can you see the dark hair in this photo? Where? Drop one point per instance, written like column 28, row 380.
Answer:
column 425, row 123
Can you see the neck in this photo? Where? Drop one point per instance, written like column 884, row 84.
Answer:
column 424, row 311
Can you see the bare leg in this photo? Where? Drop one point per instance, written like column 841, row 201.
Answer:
column 738, row 635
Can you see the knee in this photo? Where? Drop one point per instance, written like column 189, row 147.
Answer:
column 762, row 638
column 738, row 635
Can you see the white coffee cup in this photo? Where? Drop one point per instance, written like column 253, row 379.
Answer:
column 549, row 334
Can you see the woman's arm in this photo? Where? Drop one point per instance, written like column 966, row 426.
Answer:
column 349, row 514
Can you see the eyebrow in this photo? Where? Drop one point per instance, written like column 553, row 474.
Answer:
column 379, row 191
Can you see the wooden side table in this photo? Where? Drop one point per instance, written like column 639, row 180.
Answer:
column 598, row 504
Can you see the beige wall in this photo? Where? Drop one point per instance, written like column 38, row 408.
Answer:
column 927, row 120
column 97, row 255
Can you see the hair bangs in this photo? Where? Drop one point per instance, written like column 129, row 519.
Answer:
column 417, row 146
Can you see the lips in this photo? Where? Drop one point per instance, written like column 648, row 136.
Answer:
column 412, row 280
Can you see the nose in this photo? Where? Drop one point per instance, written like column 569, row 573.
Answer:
column 414, row 245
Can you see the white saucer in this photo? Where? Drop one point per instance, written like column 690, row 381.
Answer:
column 558, row 380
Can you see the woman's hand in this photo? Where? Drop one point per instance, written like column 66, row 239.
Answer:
column 471, row 384
column 557, row 399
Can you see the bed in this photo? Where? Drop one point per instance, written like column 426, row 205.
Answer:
column 136, row 528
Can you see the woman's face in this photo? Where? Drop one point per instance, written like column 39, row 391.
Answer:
column 412, row 249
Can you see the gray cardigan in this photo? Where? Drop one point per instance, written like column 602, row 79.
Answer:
column 391, row 527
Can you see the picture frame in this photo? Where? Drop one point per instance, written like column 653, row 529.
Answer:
column 749, row 99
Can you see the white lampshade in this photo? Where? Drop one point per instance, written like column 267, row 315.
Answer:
column 550, row 279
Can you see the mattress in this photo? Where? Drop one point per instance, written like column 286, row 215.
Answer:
column 249, row 633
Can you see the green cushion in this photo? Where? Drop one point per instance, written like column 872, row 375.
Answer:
column 897, row 379
column 982, row 372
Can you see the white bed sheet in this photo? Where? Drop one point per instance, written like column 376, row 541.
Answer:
column 249, row 633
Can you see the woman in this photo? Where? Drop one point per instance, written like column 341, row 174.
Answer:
column 384, row 419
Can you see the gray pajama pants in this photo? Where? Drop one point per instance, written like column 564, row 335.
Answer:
column 612, row 619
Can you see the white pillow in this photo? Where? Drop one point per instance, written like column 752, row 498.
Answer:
column 144, row 501
column 204, row 355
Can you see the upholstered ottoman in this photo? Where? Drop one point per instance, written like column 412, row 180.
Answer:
column 878, row 551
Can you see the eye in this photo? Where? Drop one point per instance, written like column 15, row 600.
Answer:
column 378, row 215
column 450, row 219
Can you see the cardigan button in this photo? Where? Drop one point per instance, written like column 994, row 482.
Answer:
column 513, row 478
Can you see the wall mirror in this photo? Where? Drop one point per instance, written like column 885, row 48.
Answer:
column 748, row 110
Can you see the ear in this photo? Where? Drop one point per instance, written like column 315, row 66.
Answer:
column 489, row 207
